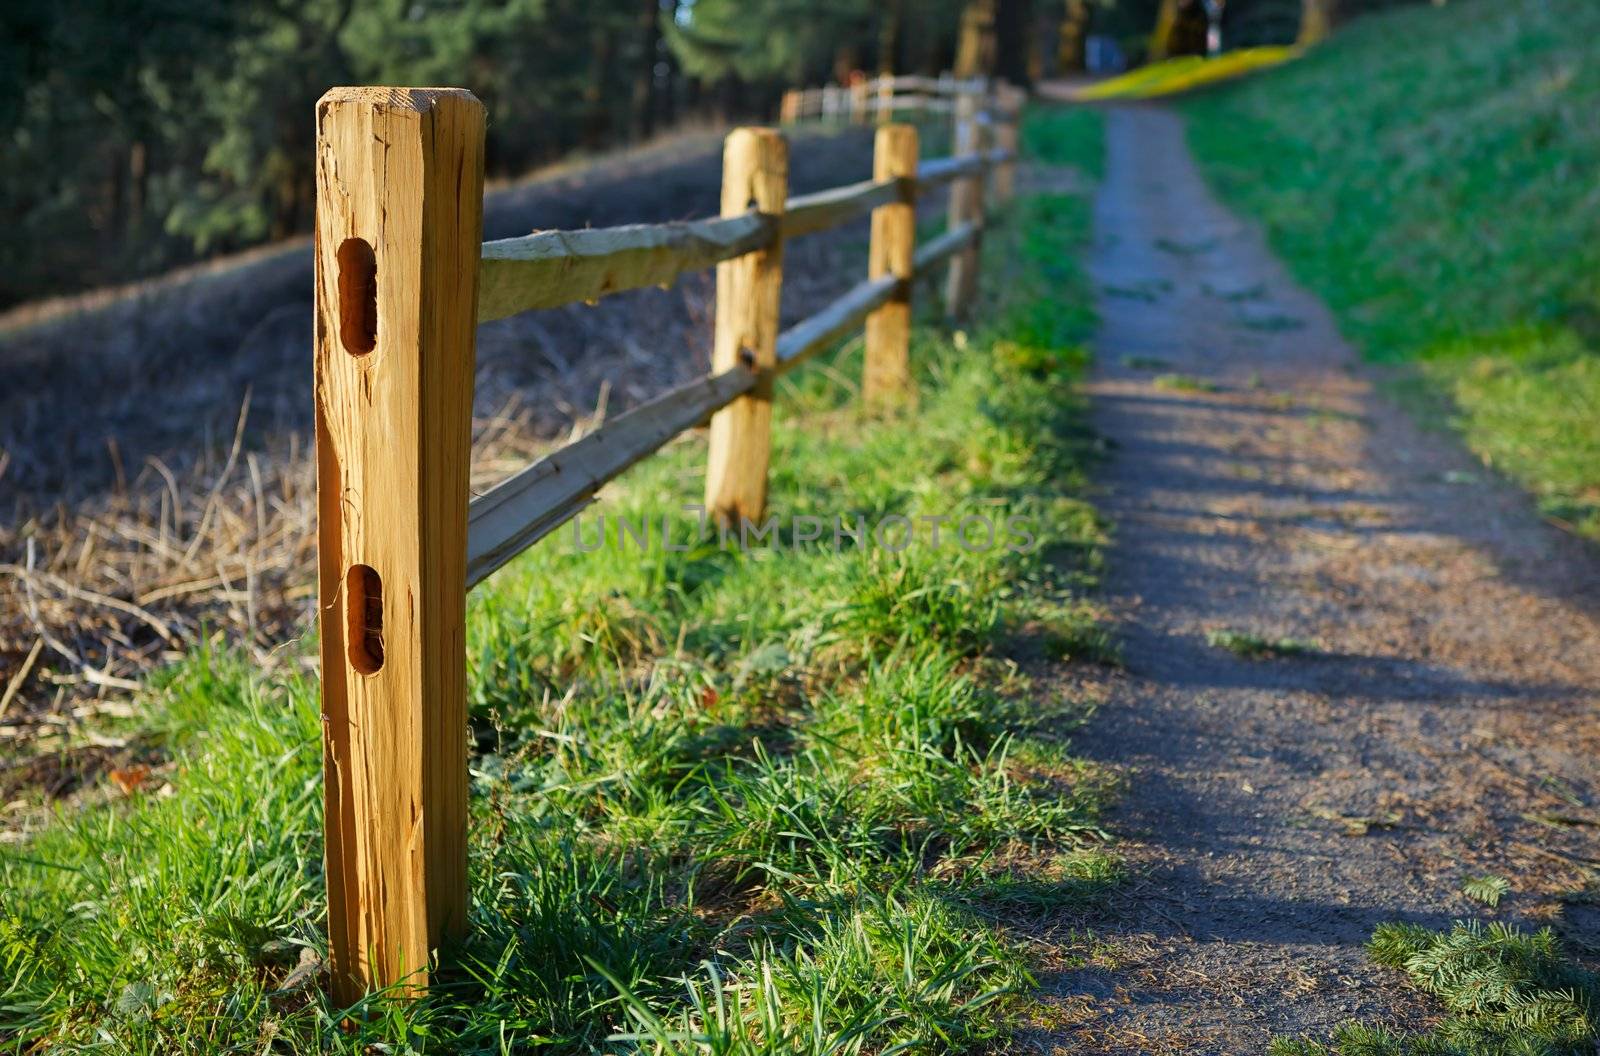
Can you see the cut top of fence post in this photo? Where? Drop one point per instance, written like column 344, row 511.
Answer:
column 755, row 172
column 399, row 232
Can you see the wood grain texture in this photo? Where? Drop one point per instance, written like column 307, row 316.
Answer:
column 526, row 507
column 552, row 268
column 755, row 171
column 402, row 171
column 886, row 370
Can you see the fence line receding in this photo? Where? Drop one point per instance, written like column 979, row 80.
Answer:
column 402, row 280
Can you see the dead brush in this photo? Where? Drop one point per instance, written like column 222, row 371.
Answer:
column 109, row 570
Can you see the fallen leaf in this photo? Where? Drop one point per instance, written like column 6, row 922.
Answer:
column 131, row 779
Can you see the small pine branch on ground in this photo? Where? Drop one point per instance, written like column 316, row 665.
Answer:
column 1486, row 889
column 1505, row 993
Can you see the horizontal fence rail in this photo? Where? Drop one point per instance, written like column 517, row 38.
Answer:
column 811, row 213
column 878, row 98
column 552, row 268
column 943, row 247
column 529, row 505
column 402, row 278
column 803, row 340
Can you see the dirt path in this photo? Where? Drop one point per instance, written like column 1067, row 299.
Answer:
column 1279, row 808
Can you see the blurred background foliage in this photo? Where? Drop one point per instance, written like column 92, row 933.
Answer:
column 142, row 134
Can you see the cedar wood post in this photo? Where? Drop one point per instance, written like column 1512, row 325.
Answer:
column 399, row 235
column 886, row 373
column 755, row 174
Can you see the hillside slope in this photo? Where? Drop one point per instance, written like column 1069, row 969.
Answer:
column 1431, row 174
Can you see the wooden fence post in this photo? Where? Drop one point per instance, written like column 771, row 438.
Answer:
column 966, row 205
column 886, row 373
column 1007, row 112
column 399, row 235
column 755, row 171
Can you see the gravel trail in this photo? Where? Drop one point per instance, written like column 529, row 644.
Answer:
column 1279, row 808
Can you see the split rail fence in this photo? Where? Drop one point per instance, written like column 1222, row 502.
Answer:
column 402, row 280
column 878, row 98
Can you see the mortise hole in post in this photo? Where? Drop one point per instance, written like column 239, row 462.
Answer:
column 364, row 612
column 358, row 296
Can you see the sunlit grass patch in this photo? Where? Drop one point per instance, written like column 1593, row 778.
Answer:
column 1430, row 194
column 1527, row 403
column 1253, row 646
column 1183, row 383
column 1184, row 73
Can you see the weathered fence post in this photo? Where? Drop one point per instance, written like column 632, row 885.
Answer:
column 886, row 373
column 755, row 171
column 1007, row 112
column 966, row 205
column 399, row 231
column 885, row 98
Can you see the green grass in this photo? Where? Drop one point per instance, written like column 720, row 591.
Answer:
column 1182, row 383
column 1440, row 197
column 1254, row 646
column 1185, row 73
column 1504, row 992
column 1061, row 135
column 774, row 802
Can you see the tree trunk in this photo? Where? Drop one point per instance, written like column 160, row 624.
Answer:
column 846, row 60
column 1074, row 32
column 975, row 48
column 1181, row 29
column 1161, row 37
column 643, row 103
column 891, row 37
column 596, row 115
column 1011, row 40
column 115, row 227
column 1316, row 21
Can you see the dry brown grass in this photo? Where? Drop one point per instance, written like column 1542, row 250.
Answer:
column 154, row 454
